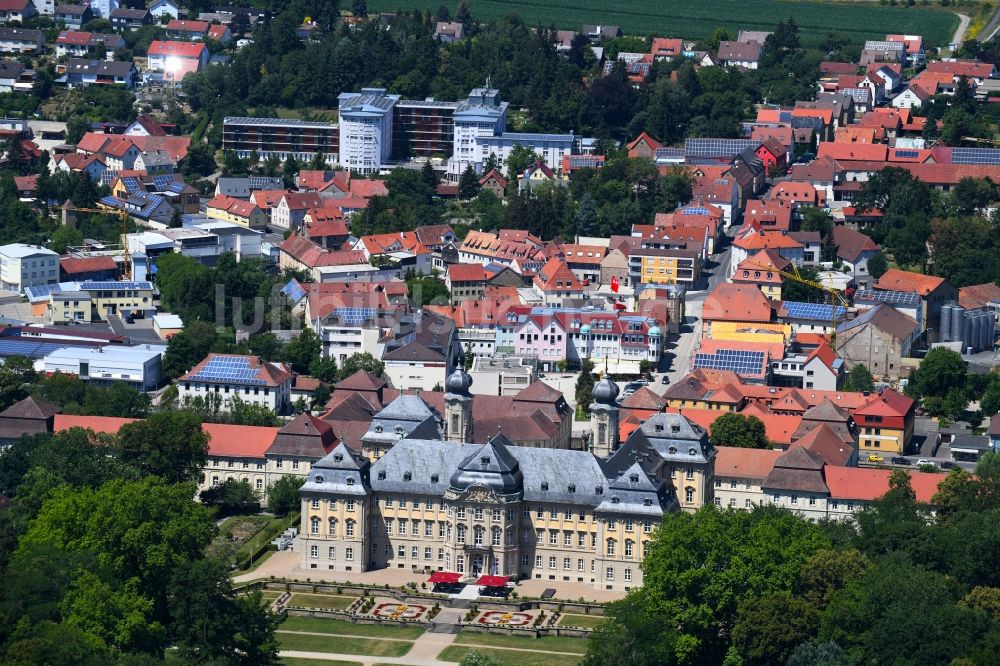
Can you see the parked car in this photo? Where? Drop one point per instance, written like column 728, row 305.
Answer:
column 924, row 461
column 665, row 380
column 875, row 458
column 947, row 464
column 899, row 460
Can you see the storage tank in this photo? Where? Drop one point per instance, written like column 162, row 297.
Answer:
column 986, row 331
column 957, row 321
column 944, row 332
column 975, row 331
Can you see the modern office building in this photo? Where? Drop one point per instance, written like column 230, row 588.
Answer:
column 27, row 265
column 481, row 115
column 366, row 129
column 267, row 137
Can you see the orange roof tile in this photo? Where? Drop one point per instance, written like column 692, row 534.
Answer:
column 863, row 484
column 740, row 463
column 737, row 302
column 899, row 280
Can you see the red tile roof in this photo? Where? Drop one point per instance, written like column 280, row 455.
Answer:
column 864, row 484
column 740, row 463
column 898, row 280
column 181, row 25
column 889, row 403
column 76, row 265
column 179, row 49
column 978, row 295
column 867, row 152
column 232, row 205
column 466, row 273
column 737, row 302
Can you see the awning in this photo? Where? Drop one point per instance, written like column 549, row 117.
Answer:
column 492, row 581
column 446, row 577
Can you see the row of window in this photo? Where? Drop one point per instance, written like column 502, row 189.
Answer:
column 332, row 524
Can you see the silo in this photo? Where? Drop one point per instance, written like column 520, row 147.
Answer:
column 986, row 332
column 957, row 321
column 944, row 332
column 975, row 331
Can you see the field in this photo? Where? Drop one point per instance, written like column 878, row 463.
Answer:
column 512, row 657
column 697, row 20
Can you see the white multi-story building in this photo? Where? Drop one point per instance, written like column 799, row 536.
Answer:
column 26, row 266
column 230, row 375
column 366, row 129
column 549, row 147
column 140, row 367
column 480, row 116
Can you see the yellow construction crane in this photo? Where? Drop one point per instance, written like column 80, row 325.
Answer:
column 124, row 216
column 836, row 296
column 978, row 140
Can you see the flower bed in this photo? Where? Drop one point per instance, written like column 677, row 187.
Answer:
column 395, row 611
column 504, row 619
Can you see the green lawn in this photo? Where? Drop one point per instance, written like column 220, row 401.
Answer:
column 585, row 621
column 323, row 625
column 270, row 595
column 556, row 643
column 341, row 645
column 511, row 657
column 295, row 661
column 854, row 20
column 308, row 600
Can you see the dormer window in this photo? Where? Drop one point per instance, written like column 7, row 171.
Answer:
column 434, row 478
column 672, row 450
column 647, row 502
column 318, row 478
column 378, row 428
column 599, row 490
column 691, row 452
column 615, row 500
column 675, row 428
column 633, row 478
column 485, row 460
column 545, row 485
column 407, row 476
column 572, row 488
column 381, row 476
column 350, row 481
column 338, row 457
column 399, row 430
column 658, row 427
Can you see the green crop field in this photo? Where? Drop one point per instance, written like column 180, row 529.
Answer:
column 857, row 21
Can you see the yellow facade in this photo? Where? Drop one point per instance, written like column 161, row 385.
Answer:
column 255, row 220
column 883, row 441
column 741, row 332
column 659, row 270
column 96, row 305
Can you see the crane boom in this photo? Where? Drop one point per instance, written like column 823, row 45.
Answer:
column 835, row 294
column 124, row 217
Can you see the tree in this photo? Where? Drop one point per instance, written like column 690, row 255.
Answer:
column 700, row 567
column 468, row 183
column 584, row 390
column 828, row 571
column 428, row 175
column 231, row 496
column 324, row 369
column 520, row 158
column 119, row 399
column 242, row 412
column 320, row 396
column 427, row 290
column 859, row 379
column 586, row 215
column 187, row 348
column 734, row 429
column 171, row 445
column 877, row 265
column 283, row 496
column 941, row 371
column 464, row 16
column 359, row 7
column 302, row 350
column 362, row 361
column 632, row 635
column 815, row 653
column 199, row 162
column 769, row 628
column 442, row 13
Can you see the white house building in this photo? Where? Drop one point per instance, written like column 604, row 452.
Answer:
column 230, row 375
column 27, row 265
column 140, row 367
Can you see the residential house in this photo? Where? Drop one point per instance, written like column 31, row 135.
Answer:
column 237, row 211
column 913, row 46
column 176, row 59
column 653, row 265
column 27, row 265
column 879, row 339
column 79, row 73
column 913, row 97
column 773, row 154
column 325, row 227
column 16, row 10
column 79, row 44
column 885, row 425
column 494, row 181
column 93, row 165
column 739, row 54
column 854, row 250
column 763, row 270
column 21, row 40
column 557, row 283
column 741, row 303
column 162, row 8
column 584, row 261
column 643, row 146
column 667, row 48
column 130, row 19
column 222, row 377
column 449, row 31
column 243, row 187
column 187, row 30
column 599, row 33
column 292, row 207
column 220, row 33
column 73, row 16
column 300, row 253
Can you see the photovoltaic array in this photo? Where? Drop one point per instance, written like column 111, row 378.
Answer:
column 229, row 369
column 355, row 316
column 739, row 361
column 990, row 156
column 813, row 311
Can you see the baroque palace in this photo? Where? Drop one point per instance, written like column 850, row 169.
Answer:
column 492, row 507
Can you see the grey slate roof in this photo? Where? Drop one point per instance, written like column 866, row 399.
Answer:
column 635, row 492
column 340, row 472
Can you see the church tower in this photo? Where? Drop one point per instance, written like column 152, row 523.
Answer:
column 458, row 407
column 604, row 418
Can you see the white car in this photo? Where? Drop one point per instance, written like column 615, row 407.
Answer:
column 924, row 461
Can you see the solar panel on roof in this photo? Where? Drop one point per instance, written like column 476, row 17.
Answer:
column 737, row 360
column 717, row 147
column 355, row 316
column 888, row 297
column 229, row 369
column 906, row 153
column 28, row 348
column 987, row 156
column 814, row 311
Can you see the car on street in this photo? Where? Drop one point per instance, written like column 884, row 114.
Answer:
column 665, row 380
column 899, row 460
column 947, row 464
column 924, row 461
column 875, row 458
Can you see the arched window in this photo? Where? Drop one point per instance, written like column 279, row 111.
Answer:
column 478, row 535
column 314, row 525
column 496, row 536
column 350, row 528
column 332, row 526
column 611, row 547
column 461, row 534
